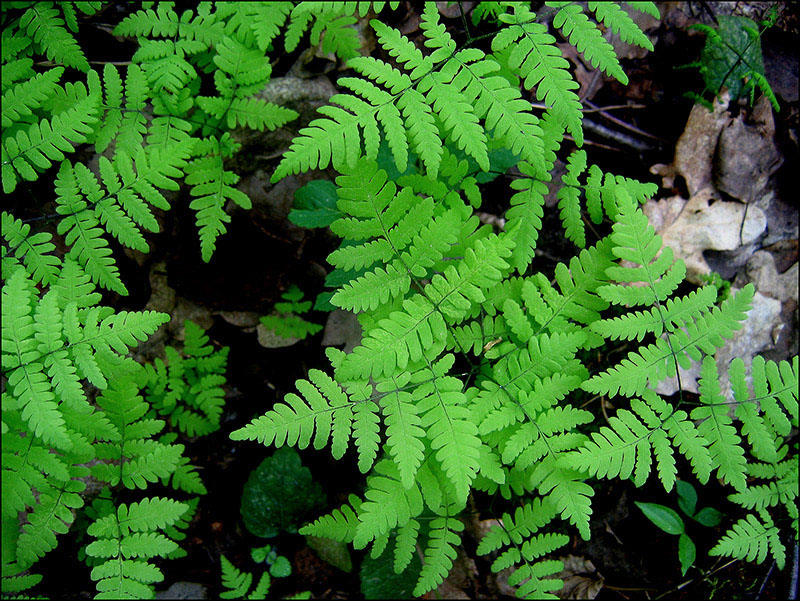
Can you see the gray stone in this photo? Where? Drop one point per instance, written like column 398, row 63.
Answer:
column 746, row 158
column 184, row 590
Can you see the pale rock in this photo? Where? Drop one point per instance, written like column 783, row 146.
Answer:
column 342, row 327
column 693, row 226
column 756, row 335
column 184, row 590
column 761, row 271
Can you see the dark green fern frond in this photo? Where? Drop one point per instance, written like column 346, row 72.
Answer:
column 188, row 388
column 239, row 582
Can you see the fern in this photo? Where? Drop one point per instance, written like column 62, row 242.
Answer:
column 239, row 582
column 450, row 86
column 126, row 540
column 584, row 35
column 43, row 24
column 522, row 546
column 751, row 539
column 288, row 323
column 188, row 387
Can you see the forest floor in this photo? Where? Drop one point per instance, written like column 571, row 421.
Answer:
column 629, row 130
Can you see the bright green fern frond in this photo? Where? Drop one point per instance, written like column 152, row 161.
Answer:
column 569, row 200
column 127, row 529
column 43, row 24
column 717, row 428
column 635, row 241
column 387, row 504
column 439, row 554
column 675, row 313
column 752, row 539
column 613, row 16
column 659, row 360
column 83, row 233
column 634, row 438
column 213, row 185
column 522, row 546
column 536, row 58
column 339, row 525
column 584, row 35
column 34, row 148
column 21, row 100
column 32, row 249
column 324, row 412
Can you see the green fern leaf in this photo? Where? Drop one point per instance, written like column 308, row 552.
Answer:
column 33, row 149
column 751, row 539
column 32, row 250
column 439, row 554
column 621, row 23
column 583, row 34
column 539, row 62
column 46, row 28
column 717, row 428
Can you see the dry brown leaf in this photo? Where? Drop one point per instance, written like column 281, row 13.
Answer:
column 694, row 152
column 581, row 578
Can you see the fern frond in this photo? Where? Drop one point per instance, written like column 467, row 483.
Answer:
column 569, row 201
column 32, row 249
column 584, row 35
column 34, row 148
column 404, row 433
column 717, row 428
column 752, row 538
column 324, row 412
column 614, row 17
column 675, row 312
column 387, row 504
column 439, row 554
column 46, row 28
column 212, row 184
column 522, row 546
column 339, row 525
column 539, row 62
column 659, row 360
column 132, row 528
column 21, row 100
column 627, row 447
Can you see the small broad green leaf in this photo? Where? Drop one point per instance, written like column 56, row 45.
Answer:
column 315, row 204
column 333, row 551
column 379, row 580
column 686, row 553
column 665, row 518
column 708, row 516
column 687, row 497
column 259, row 554
column 281, row 568
column 278, row 494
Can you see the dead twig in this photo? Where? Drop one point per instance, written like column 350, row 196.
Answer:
column 619, row 137
column 620, row 122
